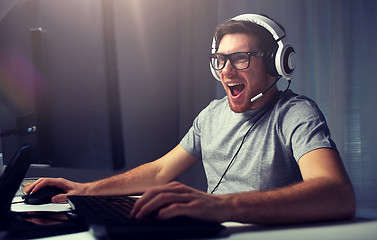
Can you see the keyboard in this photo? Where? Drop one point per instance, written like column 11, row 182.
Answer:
column 109, row 217
column 110, row 209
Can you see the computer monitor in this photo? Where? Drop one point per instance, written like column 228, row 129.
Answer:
column 59, row 84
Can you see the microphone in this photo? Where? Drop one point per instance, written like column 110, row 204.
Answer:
column 257, row 96
column 264, row 92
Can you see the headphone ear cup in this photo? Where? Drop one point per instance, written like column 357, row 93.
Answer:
column 269, row 62
column 285, row 60
column 215, row 73
column 289, row 60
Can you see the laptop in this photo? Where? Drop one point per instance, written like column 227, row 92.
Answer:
column 10, row 181
column 21, row 225
column 108, row 217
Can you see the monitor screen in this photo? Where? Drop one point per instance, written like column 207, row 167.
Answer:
column 59, row 84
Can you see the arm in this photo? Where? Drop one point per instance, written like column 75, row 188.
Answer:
column 325, row 194
column 145, row 176
column 134, row 181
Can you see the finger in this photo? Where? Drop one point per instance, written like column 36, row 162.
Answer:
column 140, row 203
column 161, row 201
column 59, row 198
column 189, row 208
column 43, row 182
column 153, row 192
column 195, row 208
column 175, row 210
column 35, row 186
column 31, row 186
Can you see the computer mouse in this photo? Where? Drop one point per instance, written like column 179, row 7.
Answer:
column 43, row 195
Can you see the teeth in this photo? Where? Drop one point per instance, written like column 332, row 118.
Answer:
column 233, row 84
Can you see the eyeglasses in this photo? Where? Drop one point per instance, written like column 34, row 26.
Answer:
column 239, row 60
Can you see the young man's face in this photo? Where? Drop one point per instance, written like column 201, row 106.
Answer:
column 242, row 85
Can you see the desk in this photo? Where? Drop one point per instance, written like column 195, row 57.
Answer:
column 360, row 229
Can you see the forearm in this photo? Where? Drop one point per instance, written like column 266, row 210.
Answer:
column 312, row 200
column 134, row 181
column 324, row 194
column 145, row 176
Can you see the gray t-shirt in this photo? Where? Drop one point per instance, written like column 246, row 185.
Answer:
column 280, row 134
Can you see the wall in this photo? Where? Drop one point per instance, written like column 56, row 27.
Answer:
column 162, row 48
column 161, row 63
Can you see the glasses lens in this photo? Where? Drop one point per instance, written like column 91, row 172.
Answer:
column 217, row 61
column 240, row 60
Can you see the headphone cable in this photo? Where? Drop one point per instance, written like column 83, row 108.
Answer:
column 244, row 137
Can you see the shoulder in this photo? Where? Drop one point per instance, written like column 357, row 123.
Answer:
column 302, row 124
column 293, row 106
column 218, row 104
column 298, row 114
column 216, row 107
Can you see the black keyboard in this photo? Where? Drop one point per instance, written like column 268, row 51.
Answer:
column 109, row 216
column 111, row 209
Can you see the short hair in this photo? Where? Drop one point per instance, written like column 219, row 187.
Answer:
column 266, row 42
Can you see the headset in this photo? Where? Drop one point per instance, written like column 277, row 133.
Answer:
column 282, row 60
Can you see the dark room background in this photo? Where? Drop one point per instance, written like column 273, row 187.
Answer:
column 160, row 64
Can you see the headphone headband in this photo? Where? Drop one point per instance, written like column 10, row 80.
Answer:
column 283, row 59
column 271, row 26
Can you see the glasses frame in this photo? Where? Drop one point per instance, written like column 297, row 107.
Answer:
column 229, row 57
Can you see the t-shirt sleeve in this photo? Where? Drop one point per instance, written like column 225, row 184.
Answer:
column 191, row 141
column 306, row 129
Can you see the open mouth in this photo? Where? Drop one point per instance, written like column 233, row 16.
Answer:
column 236, row 88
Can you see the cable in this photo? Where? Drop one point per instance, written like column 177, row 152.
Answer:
column 244, row 137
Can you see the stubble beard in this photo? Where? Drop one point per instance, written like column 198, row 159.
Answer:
column 239, row 108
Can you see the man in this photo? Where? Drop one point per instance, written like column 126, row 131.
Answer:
column 267, row 161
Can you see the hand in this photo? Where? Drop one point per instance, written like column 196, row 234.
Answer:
column 175, row 199
column 71, row 188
